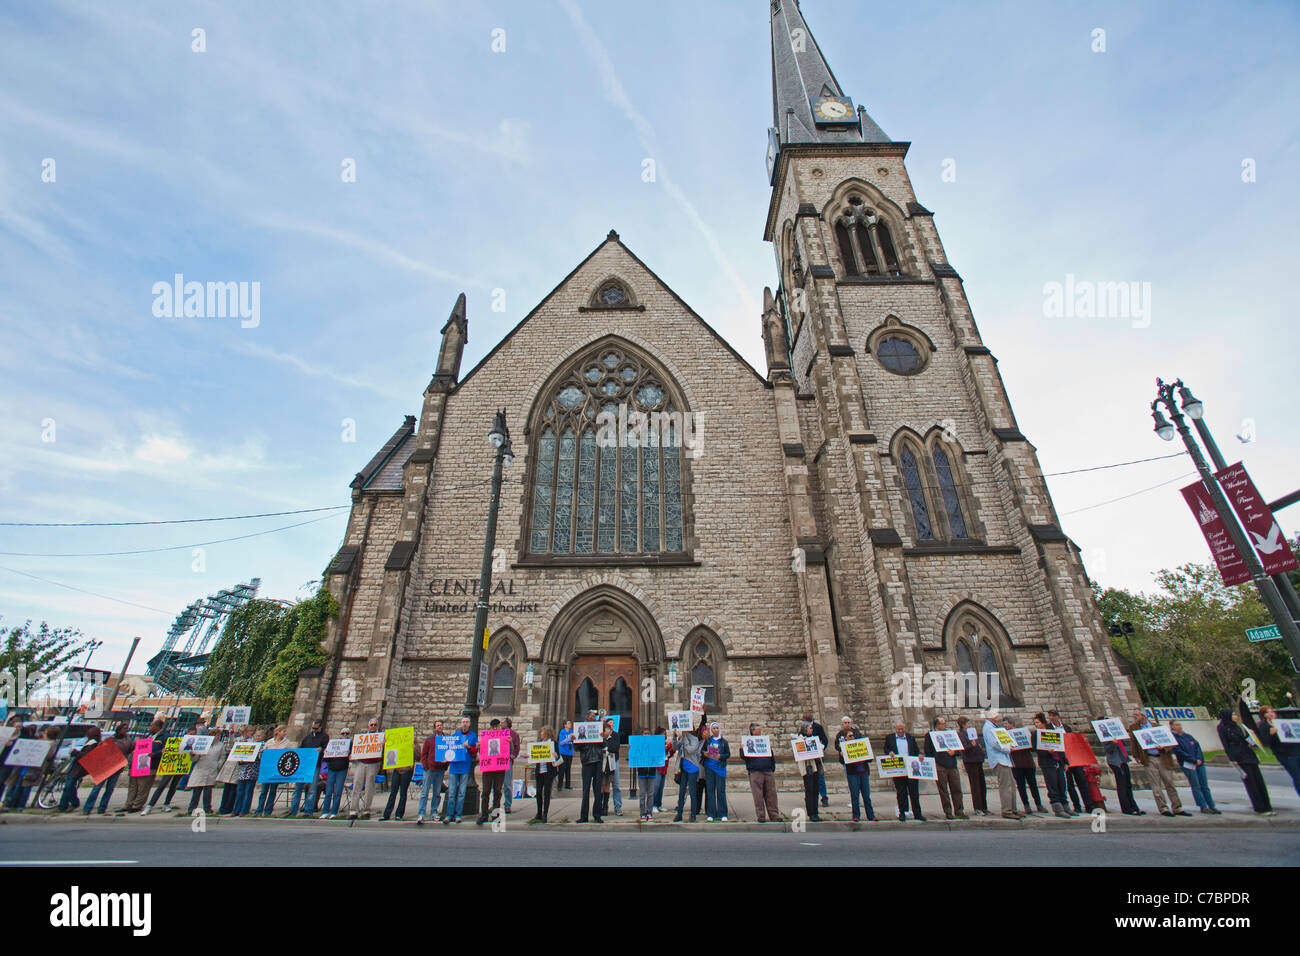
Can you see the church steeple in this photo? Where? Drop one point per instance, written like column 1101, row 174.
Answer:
column 808, row 104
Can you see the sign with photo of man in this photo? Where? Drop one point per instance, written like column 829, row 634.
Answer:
column 1108, row 729
column 758, row 746
column 681, row 720
column 1149, row 738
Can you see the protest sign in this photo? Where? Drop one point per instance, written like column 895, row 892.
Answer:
column 1149, row 738
column 697, row 699
column 760, row 746
column 1051, row 740
column 245, row 751
column 235, row 715
column 104, row 761
column 646, row 750
column 196, row 744
column 922, row 768
column 892, row 766
column 367, row 746
column 1023, row 736
column 291, row 765
column 446, row 751
column 494, row 750
column 681, row 720
column 1077, row 751
column 856, row 750
column 542, row 751
column 1005, row 739
column 399, row 748
column 1288, row 731
column 29, row 753
column 1108, row 728
column 338, row 747
column 948, row 740
column 807, row 748
column 70, row 744
column 586, row 732
column 141, row 757
column 173, row 762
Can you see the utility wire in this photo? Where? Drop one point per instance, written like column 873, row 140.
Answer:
column 81, row 590
column 1134, row 494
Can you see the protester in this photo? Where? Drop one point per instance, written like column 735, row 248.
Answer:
column 515, row 743
column 227, row 776
column 813, row 772
column 76, row 772
column 434, row 771
column 646, row 777
column 246, row 780
column 1192, row 760
column 266, row 801
column 203, row 775
column 138, row 787
column 1239, row 748
column 365, row 774
column 1000, row 760
column 762, row 781
column 1159, row 764
column 716, row 753
column 1117, row 760
column 819, row 732
column 689, row 763
column 465, row 742
column 315, row 739
column 1022, row 769
column 858, row 774
column 903, row 744
column 490, row 785
column 662, row 776
column 972, row 759
column 614, row 783
column 123, row 743
column 1076, row 781
column 545, row 772
column 949, row 779
column 174, row 781
column 564, row 746
column 1287, row 754
column 1051, row 764
column 399, row 782
column 336, row 775
column 846, row 724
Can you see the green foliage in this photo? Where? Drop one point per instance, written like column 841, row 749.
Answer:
column 45, row 650
column 262, row 648
column 1190, row 640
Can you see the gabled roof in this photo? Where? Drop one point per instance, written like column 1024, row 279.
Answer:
column 612, row 237
column 385, row 468
column 800, row 72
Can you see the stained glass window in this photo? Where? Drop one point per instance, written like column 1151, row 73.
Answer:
column 916, row 493
column 948, row 487
column 899, row 355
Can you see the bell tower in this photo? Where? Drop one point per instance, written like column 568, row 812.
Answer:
column 916, row 504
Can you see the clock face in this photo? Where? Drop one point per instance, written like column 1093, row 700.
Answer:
column 832, row 109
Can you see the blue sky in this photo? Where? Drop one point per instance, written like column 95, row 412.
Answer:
column 480, row 170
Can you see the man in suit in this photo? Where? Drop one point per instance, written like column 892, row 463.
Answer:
column 1159, row 764
column 903, row 744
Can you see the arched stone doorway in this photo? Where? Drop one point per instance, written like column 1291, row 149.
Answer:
column 603, row 651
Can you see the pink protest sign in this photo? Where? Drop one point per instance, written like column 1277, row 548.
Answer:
column 494, row 750
column 140, row 757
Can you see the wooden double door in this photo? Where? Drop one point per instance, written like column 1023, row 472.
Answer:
column 609, row 684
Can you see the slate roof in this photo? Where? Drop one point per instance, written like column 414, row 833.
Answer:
column 384, row 471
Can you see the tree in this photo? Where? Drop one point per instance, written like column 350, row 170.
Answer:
column 304, row 650
column 1190, row 642
column 44, row 651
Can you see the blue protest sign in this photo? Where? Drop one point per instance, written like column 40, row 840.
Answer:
column 646, row 750
column 287, row 766
column 446, row 751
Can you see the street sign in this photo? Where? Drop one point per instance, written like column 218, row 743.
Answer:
column 1269, row 633
column 482, row 683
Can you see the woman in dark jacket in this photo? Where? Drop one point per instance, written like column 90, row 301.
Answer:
column 1022, row 768
column 1051, row 765
column 1240, row 751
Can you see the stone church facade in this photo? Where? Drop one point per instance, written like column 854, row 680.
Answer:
column 832, row 535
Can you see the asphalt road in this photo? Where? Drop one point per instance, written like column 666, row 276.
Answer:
column 171, row 842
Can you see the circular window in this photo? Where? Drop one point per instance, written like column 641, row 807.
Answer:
column 899, row 355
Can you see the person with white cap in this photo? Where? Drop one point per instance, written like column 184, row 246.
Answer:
column 716, row 753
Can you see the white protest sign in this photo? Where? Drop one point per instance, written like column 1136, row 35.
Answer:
column 338, row 747
column 922, row 768
column 697, row 699
column 1149, row 738
column 1108, row 729
column 807, row 748
column 680, row 720
column 196, row 744
column 760, row 746
column 27, row 753
column 948, row 740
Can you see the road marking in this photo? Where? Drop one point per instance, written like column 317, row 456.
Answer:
column 810, row 844
column 64, row 862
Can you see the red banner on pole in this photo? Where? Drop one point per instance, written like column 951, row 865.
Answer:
column 1262, row 530
column 1232, row 567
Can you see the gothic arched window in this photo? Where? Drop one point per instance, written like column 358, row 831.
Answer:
column 607, row 477
column 974, row 636
column 611, row 295
column 948, row 489
column 503, row 674
column 937, row 498
column 865, row 242
column 703, row 656
column 916, row 494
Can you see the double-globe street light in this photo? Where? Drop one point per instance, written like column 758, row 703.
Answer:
column 1276, row 591
column 499, row 437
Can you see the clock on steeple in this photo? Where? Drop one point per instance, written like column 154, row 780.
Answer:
column 828, row 109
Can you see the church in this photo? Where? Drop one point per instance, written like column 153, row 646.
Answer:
column 858, row 529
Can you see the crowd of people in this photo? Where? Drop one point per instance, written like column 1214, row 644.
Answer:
column 696, row 759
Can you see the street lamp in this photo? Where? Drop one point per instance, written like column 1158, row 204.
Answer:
column 499, row 437
column 1276, row 592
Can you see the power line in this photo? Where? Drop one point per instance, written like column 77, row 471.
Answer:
column 1118, row 464
column 124, row 524
column 179, row 547
column 81, row 590
column 1134, row 494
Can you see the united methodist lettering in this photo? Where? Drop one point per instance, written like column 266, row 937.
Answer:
column 860, row 516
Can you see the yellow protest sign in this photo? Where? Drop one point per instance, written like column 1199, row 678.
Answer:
column 173, row 762
column 1004, row 738
column 542, row 752
column 894, row 766
column 856, row 750
column 399, row 748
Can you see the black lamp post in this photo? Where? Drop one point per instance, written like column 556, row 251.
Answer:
column 1269, row 591
column 499, row 436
